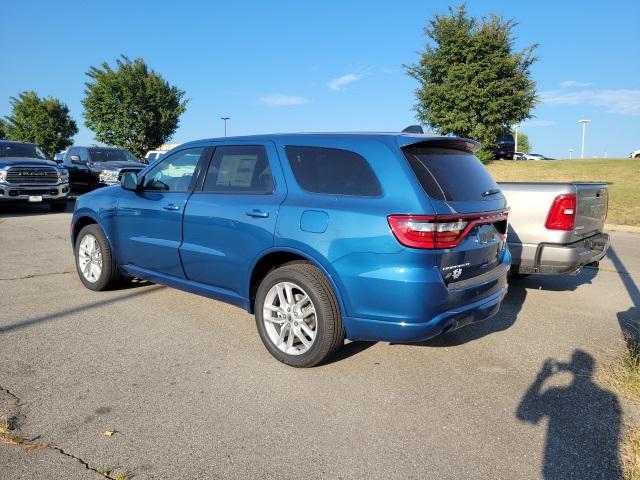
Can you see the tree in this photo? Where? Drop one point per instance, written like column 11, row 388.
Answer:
column 472, row 82
column 523, row 142
column 3, row 130
column 44, row 121
column 131, row 106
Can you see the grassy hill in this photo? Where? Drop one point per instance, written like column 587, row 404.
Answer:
column 623, row 175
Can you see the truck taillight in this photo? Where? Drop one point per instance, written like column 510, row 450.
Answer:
column 435, row 231
column 562, row 215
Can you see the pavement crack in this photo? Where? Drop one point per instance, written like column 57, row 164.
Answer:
column 11, row 394
column 8, row 436
column 35, row 275
column 80, row 460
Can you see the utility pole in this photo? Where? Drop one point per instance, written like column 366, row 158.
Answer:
column 515, row 127
column 584, row 129
column 570, row 153
column 225, row 124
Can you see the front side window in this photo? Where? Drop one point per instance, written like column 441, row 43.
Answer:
column 174, row 173
column 239, row 169
column 332, row 171
column 84, row 155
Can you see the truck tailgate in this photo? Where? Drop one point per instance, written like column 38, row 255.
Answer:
column 591, row 210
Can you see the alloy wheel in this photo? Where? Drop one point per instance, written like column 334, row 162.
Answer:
column 289, row 318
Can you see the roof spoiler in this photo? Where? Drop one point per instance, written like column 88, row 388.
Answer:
column 413, row 129
column 457, row 143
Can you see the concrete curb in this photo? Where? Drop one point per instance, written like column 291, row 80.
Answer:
column 621, row 228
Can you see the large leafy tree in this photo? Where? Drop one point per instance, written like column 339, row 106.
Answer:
column 3, row 130
column 473, row 83
column 131, row 105
column 44, row 121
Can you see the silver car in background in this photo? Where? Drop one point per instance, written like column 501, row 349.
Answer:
column 556, row 228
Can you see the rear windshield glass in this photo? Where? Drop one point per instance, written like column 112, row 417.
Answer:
column 452, row 175
column 332, row 171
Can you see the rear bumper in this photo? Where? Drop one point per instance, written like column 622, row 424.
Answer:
column 551, row 258
column 376, row 330
column 10, row 193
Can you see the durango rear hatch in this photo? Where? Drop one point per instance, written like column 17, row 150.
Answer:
column 470, row 221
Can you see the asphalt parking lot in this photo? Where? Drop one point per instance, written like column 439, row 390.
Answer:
column 190, row 392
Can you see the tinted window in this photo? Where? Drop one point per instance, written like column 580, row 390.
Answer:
column 239, row 169
column 174, row 173
column 84, row 154
column 448, row 174
column 332, row 171
column 21, row 150
column 112, row 155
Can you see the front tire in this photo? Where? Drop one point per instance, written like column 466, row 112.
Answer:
column 94, row 261
column 297, row 315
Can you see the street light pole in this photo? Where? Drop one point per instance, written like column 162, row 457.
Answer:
column 584, row 129
column 515, row 147
column 225, row 124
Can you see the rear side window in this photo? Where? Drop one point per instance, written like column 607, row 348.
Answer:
column 332, row 171
column 449, row 174
column 239, row 169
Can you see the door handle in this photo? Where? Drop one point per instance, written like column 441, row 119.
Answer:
column 258, row 214
column 172, row 207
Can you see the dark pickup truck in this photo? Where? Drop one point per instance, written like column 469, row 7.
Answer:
column 94, row 167
column 26, row 175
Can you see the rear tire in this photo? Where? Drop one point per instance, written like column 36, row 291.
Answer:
column 94, row 260
column 303, row 325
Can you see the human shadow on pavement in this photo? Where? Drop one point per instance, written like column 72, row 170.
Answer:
column 583, row 421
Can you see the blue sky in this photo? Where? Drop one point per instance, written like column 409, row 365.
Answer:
column 325, row 66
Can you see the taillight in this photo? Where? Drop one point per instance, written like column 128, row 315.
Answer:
column 433, row 231
column 562, row 215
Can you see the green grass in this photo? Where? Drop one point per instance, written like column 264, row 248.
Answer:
column 622, row 174
column 623, row 377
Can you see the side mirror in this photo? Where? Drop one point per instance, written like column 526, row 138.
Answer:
column 129, row 181
column 76, row 159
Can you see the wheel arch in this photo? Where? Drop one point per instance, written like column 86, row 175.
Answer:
column 78, row 224
column 271, row 259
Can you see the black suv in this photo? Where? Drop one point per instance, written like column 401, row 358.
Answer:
column 505, row 146
column 93, row 167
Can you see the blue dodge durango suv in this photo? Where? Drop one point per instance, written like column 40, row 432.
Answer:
column 396, row 237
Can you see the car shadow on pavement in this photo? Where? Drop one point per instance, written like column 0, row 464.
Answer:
column 30, row 209
column 584, row 421
column 75, row 310
column 504, row 319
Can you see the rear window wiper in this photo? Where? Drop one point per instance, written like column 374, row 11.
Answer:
column 493, row 191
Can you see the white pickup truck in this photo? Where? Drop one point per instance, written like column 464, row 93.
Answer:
column 556, row 228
